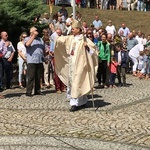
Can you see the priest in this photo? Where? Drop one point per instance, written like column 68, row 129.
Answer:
column 76, row 64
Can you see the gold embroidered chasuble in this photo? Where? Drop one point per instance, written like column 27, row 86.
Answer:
column 74, row 65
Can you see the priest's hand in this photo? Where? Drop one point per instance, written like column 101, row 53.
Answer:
column 86, row 46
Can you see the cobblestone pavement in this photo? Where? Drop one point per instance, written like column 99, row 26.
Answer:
column 119, row 121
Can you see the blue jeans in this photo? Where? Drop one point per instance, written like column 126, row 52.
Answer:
column 140, row 5
column 112, row 78
column 20, row 64
column 83, row 3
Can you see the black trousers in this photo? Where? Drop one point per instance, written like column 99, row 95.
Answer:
column 34, row 72
column 103, row 73
column 8, row 69
column 1, row 71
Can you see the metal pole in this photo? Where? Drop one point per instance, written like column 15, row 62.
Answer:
column 85, row 40
column 74, row 9
column 49, row 7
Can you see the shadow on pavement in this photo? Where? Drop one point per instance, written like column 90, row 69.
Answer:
column 10, row 94
column 48, row 91
column 7, row 95
column 98, row 103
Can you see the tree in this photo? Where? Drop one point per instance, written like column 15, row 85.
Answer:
column 17, row 16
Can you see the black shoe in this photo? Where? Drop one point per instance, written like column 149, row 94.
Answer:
column 125, row 85
column 120, row 85
column 74, row 108
column 29, row 95
column 82, row 106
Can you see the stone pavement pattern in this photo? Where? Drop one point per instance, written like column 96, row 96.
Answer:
column 120, row 120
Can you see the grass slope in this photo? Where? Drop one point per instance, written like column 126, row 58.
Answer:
column 133, row 19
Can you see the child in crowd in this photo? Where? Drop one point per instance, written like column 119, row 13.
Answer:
column 78, row 2
column 141, row 65
column 121, row 58
column 113, row 71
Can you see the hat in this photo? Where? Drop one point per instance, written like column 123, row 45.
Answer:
column 75, row 24
column 109, row 21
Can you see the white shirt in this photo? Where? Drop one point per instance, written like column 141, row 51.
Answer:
column 69, row 21
column 134, row 52
column 21, row 48
column 119, row 58
column 111, row 29
column 144, row 41
column 140, row 40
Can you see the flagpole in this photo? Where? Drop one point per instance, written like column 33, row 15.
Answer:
column 74, row 8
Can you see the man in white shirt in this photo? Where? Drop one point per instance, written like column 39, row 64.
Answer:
column 7, row 59
column 139, row 37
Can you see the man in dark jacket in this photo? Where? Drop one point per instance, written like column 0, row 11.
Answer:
column 121, row 58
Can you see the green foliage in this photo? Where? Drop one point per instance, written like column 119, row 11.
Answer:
column 18, row 15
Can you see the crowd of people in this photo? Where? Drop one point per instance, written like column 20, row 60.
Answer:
column 71, row 54
column 139, row 5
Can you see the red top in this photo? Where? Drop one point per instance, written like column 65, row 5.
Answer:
column 78, row 1
column 113, row 67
